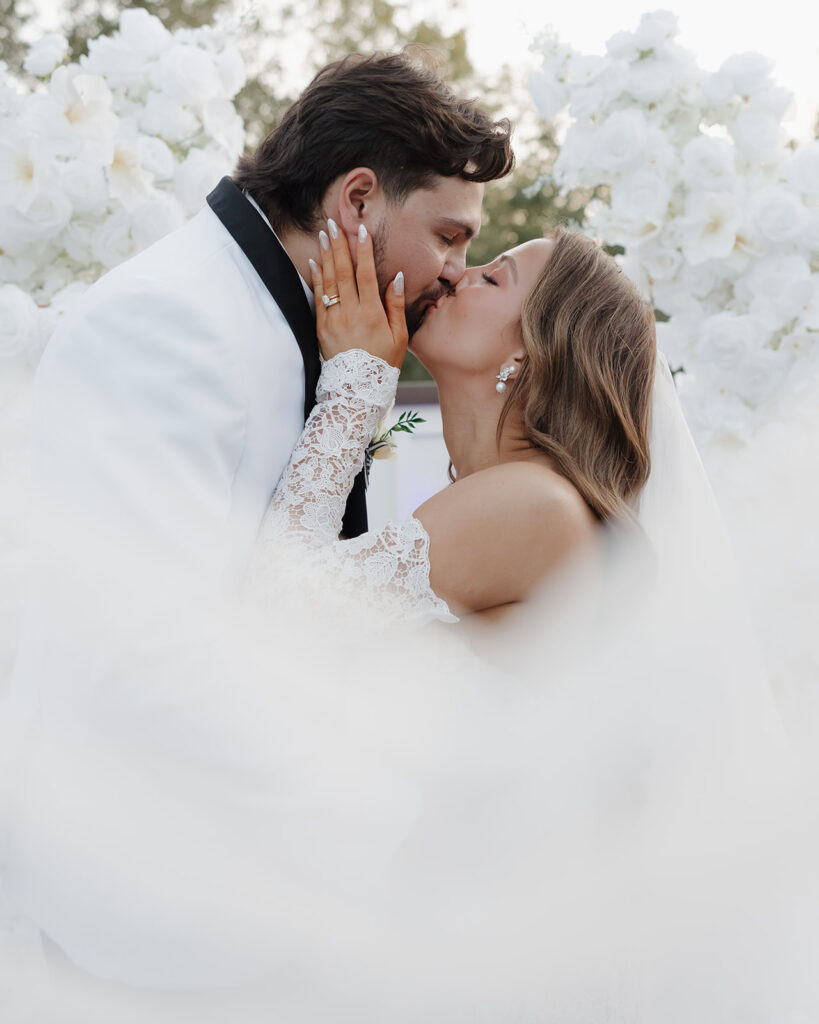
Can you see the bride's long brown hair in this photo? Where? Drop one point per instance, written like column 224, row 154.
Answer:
column 583, row 392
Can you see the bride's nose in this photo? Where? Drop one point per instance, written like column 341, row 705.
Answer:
column 471, row 276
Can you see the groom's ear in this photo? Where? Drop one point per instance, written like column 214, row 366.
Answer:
column 360, row 201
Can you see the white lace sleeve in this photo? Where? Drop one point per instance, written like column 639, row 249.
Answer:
column 389, row 568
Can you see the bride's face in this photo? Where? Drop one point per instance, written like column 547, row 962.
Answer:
column 475, row 328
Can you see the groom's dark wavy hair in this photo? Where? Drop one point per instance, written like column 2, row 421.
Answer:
column 387, row 112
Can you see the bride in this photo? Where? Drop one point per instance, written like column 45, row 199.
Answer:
column 544, row 361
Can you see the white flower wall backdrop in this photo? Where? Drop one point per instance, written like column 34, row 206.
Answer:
column 104, row 157
column 717, row 214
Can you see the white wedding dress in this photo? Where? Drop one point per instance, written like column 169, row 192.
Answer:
column 337, row 811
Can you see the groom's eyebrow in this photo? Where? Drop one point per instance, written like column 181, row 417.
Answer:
column 512, row 265
column 461, row 227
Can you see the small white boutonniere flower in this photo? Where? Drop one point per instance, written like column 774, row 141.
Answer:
column 383, row 446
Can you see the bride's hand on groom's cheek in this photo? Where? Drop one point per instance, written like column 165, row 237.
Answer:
column 349, row 312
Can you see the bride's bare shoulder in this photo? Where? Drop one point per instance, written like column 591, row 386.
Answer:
column 496, row 533
column 526, row 491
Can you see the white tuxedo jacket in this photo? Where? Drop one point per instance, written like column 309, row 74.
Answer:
column 166, row 408
column 168, row 404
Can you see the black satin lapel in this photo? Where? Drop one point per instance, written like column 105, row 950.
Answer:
column 276, row 270
column 282, row 280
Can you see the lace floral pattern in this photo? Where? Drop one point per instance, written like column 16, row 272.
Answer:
column 388, row 568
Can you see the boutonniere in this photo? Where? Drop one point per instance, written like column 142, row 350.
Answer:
column 383, row 446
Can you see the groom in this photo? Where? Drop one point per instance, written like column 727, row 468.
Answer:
column 171, row 400
column 166, row 408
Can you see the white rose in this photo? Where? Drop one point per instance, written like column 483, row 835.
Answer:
column 144, row 33
column 224, row 125
column 711, row 222
column 156, row 157
column 78, row 240
column 759, row 375
column 662, row 263
column 713, row 412
column 113, row 243
column 19, row 324
column 127, row 178
column 572, row 166
column 197, row 175
column 718, row 88
column 641, row 199
column 655, row 30
column 799, row 344
column 650, row 80
column 155, row 217
column 620, row 143
column 17, row 270
column 776, row 288
column 168, row 119
column 708, row 164
column 27, row 168
column 46, row 54
column 758, row 135
column 187, row 75
column 120, row 65
column 774, row 100
column 623, row 46
column 44, row 219
column 596, row 92
column 748, row 72
column 550, row 95
column 88, row 125
column 85, row 186
column 232, row 72
column 727, row 339
column 777, row 215
column 803, row 169
column 677, row 302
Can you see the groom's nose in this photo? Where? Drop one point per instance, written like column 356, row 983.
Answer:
column 454, row 268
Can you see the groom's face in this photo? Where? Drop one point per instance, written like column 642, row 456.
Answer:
column 427, row 237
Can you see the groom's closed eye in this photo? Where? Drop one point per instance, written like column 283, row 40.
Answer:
column 451, row 228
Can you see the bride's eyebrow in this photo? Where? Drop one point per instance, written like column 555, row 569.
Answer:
column 512, row 265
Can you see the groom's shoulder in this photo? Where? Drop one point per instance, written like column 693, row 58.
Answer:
column 190, row 260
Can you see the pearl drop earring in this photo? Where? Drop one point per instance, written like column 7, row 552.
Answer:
column 502, row 378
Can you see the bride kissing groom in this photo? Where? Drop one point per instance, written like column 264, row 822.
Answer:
column 201, row 425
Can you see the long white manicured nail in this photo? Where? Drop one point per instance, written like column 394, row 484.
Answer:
column 362, row 233
column 313, row 267
column 324, row 241
column 398, row 283
column 331, row 224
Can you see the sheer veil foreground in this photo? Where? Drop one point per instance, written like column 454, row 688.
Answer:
column 592, row 816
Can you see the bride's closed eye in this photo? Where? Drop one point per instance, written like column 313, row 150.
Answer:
column 489, row 279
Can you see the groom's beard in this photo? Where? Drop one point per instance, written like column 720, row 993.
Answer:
column 415, row 311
